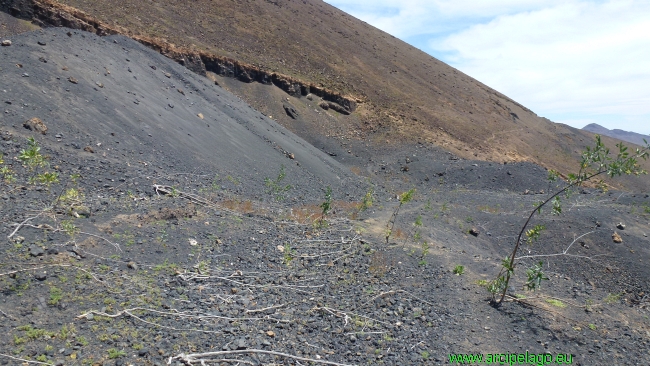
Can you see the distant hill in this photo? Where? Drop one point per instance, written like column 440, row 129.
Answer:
column 633, row 137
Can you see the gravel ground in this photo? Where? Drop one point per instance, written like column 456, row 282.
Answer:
column 156, row 247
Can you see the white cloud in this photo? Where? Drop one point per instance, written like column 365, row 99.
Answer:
column 572, row 61
column 407, row 18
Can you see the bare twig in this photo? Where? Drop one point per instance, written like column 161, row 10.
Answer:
column 177, row 314
column 345, row 315
column 233, row 360
column 264, row 309
column 49, row 227
column 33, row 269
column 23, row 223
column 198, row 357
column 117, row 246
column 6, row 315
column 565, row 252
column 374, row 298
column 24, row 360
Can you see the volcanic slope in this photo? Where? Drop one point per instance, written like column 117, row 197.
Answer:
column 129, row 103
column 404, row 95
column 162, row 240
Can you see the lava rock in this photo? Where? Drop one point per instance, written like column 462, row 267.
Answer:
column 36, row 251
column 620, row 226
column 474, row 231
column 291, row 111
column 6, row 43
column 35, row 124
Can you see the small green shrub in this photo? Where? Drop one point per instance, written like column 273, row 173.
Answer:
column 459, row 270
column 288, row 253
column 32, row 156
column 326, row 206
column 275, row 187
column 56, row 294
column 114, row 353
column 82, row 340
column 69, row 228
column 48, row 178
column 425, row 252
column 367, row 201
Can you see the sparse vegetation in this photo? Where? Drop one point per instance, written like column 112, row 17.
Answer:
column 326, row 206
column 56, row 294
column 69, row 228
column 114, row 353
column 288, row 254
column 48, row 178
column 612, row 298
column 32, row 156
column 367, row 200
column 596, row 161
column 166, row 266
column 276, row 187
column 425, row 252
column 459, row 270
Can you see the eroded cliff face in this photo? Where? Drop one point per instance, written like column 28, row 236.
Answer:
column 50, row 13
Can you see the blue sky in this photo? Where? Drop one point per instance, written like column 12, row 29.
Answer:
column 574, row 62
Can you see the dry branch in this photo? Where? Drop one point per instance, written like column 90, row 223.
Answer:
column 199, row 357
column 24, row 360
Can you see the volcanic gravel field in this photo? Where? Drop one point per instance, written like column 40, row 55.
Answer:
column 186, row 226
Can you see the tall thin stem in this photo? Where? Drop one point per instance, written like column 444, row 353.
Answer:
column 530, row 217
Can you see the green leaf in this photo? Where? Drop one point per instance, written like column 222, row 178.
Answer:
column 557, row 207
column 535, row 277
